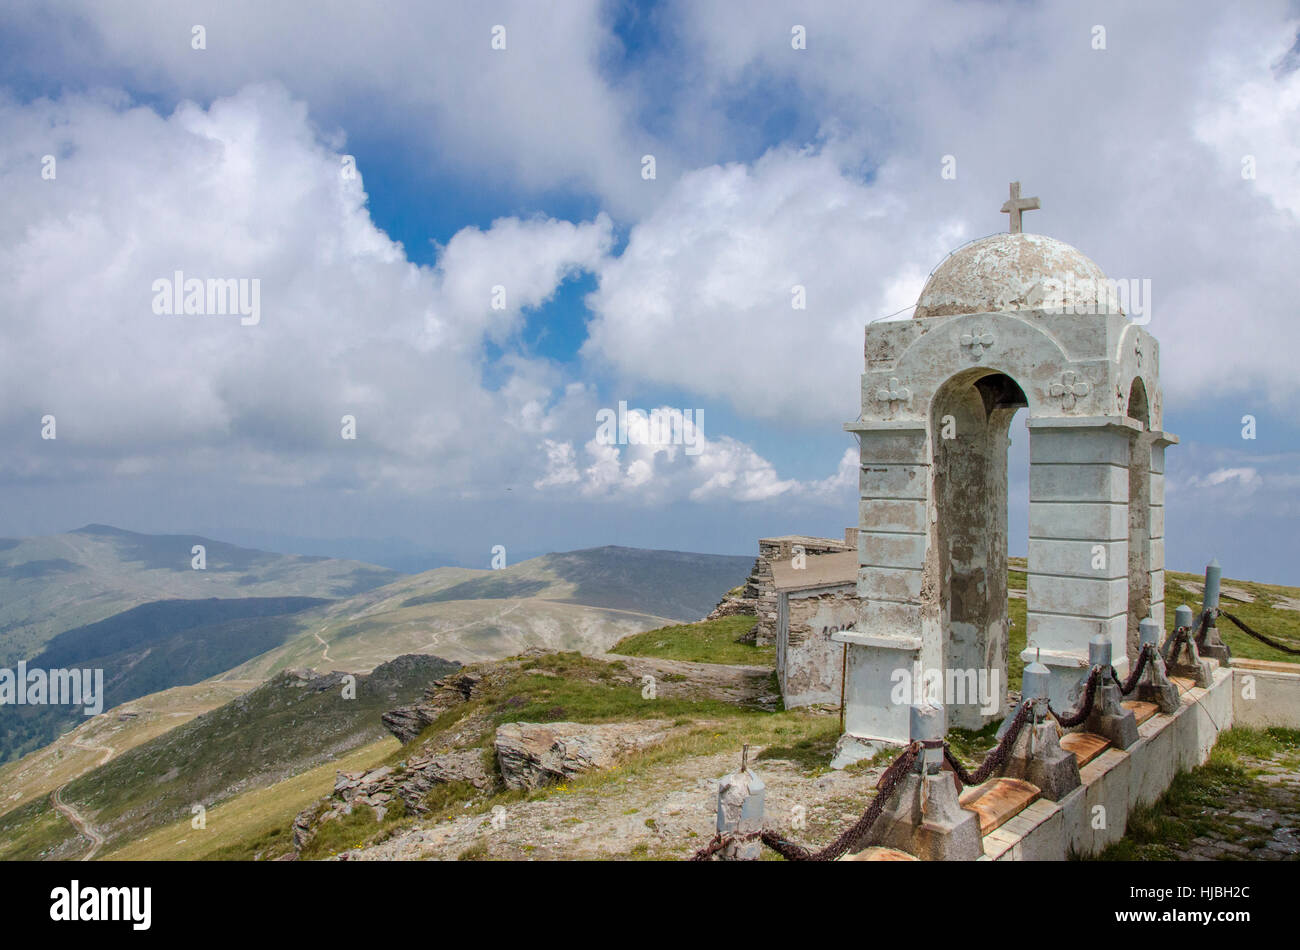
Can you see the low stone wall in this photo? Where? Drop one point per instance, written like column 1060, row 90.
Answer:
column 1096, row 814
column 1266, row 694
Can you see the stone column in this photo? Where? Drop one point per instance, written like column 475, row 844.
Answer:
column 1078, row 546
column 893, row 529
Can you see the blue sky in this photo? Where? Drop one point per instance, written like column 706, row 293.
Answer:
column 521, row 168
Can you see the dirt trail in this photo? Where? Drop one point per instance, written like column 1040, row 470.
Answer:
column 76, row 818
column 78, row 821
column 325, row 652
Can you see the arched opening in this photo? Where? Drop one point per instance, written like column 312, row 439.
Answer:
column 1139, row 507
column 972, row 415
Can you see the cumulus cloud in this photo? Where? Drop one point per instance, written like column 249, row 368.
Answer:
column 246, row 190
column 752, row 285
column 656, row 466
column 1143, row 176
column 539, row 114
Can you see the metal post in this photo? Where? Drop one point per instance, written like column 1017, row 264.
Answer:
column 1099, row 651
column 1209, row 642
column 926, row 724
column 1148, row 633
column 1213, row 576
column 844, row 667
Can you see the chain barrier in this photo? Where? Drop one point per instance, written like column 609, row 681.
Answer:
column 1131, row 683
column 993, row 761
column 793, row 851
column 1293, row 651
column 1080, row 715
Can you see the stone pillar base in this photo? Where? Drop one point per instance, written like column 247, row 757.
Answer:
column 1212, row 647
column 1110, row 719
column 924, row 818
column 1037, row 757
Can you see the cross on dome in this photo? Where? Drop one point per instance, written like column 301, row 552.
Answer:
column 1016, row 205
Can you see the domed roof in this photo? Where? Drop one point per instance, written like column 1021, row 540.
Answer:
column 1008, row 272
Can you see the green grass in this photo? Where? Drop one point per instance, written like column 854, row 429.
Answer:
column 709, row 641
column 811, row 751
column 354, row 831
column 1192, row 806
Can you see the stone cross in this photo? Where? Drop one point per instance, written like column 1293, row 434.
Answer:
column 1016, row 205
column 1069, row 389
column 978, row 342
column 894, row 393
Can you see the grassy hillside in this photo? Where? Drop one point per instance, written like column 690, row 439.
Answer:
column 57, row 583
column 282, row 728
column 99, row 738
column 151, row 648
column 709, row 641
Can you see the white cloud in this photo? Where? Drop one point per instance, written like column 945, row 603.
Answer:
column 538, row 115
column 702, row 469
column 703, row 295
column 246, row 189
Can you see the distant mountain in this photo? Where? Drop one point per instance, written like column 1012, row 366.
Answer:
column 52, row 584
column 581, row 600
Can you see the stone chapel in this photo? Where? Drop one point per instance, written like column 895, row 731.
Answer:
column 1008, row 322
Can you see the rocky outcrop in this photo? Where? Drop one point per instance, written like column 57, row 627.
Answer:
column 409, row 782
column 407, row 722
column 533, row 754
column 733, row 606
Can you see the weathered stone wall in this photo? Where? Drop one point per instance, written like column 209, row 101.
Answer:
column 760, row 586
column 808, row 661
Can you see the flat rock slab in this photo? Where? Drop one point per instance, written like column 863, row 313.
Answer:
column 533, row 754
column 1086, row 746
column 1142, row 711
column 999, row 800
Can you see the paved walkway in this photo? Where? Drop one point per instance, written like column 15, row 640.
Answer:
column 1256, row 822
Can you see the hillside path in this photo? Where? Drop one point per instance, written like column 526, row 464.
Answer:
column 76, row 818
column 78, row 821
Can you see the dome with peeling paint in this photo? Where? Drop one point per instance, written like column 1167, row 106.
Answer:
column 1008, row 272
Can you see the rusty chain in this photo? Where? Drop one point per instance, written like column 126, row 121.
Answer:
column 996, row 756
column 1144, row 656
column 1085, row 707
column 793, row 851
column 1293, row 651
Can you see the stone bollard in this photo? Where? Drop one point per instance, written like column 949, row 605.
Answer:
column 740, row 812
column 1154, row 687
column 924, row 817
column 1208, row 643
column 1108, row 717
column 1184, row 659
column 1036, row 755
